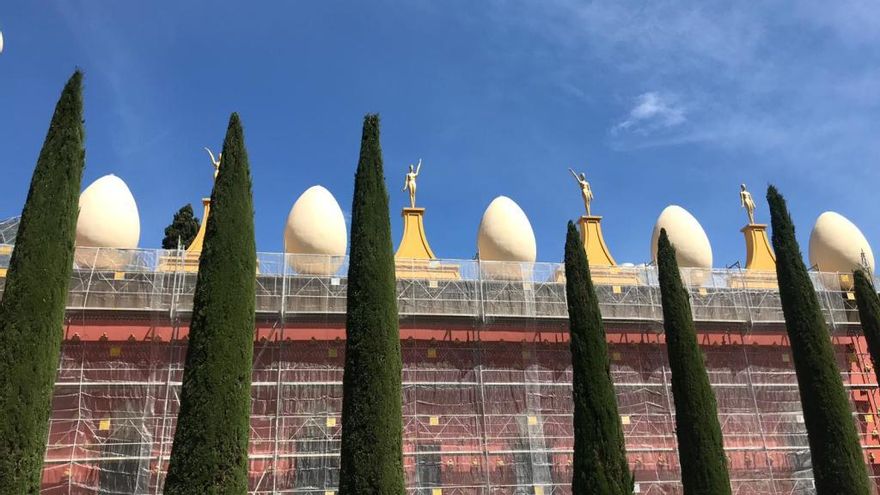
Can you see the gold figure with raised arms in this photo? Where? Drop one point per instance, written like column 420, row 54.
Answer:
column 586, row 192
column 410, row 183
column 215, row 161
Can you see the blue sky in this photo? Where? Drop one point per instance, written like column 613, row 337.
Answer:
column 660, row 102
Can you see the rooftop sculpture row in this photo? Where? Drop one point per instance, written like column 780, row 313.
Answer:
column 109, row 218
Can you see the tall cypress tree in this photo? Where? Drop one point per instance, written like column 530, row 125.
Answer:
column 210, row 451
column 700, row 445
column 838, row 465
column 372, row 427
column 869, row 315
column 32, row 309
column 600, row 464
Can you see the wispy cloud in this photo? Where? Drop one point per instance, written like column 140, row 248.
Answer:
column 122, row 70
column 652, row 112
column 791, row 83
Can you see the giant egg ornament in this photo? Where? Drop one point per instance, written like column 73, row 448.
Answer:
column 315, row 236
column 837, row 245
column 109, row 219
column 506, row 241
column 692, row 248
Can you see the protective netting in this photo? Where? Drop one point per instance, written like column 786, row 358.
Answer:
column 487, row 384
column 153, row 281
column 479, row 417
column 9, row 230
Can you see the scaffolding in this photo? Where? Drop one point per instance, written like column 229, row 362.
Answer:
column 9, row 230
column 486, row 381
column 136, row 280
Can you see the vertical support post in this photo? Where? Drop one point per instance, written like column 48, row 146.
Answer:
column 760, row 417
column 485, row 432
column 279, row 343
column 79, row 406
column 176, row 288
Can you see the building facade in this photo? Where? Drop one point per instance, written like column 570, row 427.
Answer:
column 486, row 381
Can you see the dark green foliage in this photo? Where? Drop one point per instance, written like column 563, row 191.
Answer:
column 869, row 315
column 209, row 455
column 600, row 464
column 32, row 309
column 700, row 445
column 371, row 460
column 838, row 465
column 183, row 229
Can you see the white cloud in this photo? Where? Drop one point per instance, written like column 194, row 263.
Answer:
column 652, row 111
column 790, row 83
column 131, row 88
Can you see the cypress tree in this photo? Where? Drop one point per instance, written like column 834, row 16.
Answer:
column 600, row 464
column 34, row 299
column 372, row 427
column 182, row 229
column 700, row 445
column 838, row 465
column 210, row 451
column 869, row 315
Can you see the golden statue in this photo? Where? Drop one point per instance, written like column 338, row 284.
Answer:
column 586, row 192
column 410, row 183
column 746, row 201
column 215, row 161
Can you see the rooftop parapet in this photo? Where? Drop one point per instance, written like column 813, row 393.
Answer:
column 148, row 282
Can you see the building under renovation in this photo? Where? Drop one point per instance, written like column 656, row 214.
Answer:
column 487, row 377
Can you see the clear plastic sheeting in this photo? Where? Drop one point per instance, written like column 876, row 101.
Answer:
column 479, row 417
column 9, row 230
column 155, row 281
column 486, row 382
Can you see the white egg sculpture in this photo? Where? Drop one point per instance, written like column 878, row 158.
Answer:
column 692, row 248
column 108, row 219
column 506, row 240
column 315, row 235
column 836, row 245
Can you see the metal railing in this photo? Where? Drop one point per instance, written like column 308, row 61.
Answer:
column 164, row 281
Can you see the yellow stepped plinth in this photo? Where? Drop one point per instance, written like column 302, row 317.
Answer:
column 759, row 254
column 760, row 261
column 591, row 235
column 414, row 258
column 603, row 268
column 199, row 241
column 189, row 262
column 414, row 244
column 408, row 269
column 5, row 250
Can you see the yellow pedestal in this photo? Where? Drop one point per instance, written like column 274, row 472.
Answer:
column 591, row 235
column 603, row 268
column 414, row 258
column 6, row 250
column 759, row 255
column 197, row 243
column 760, row 272
column 189, row 262
column 414, row 244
